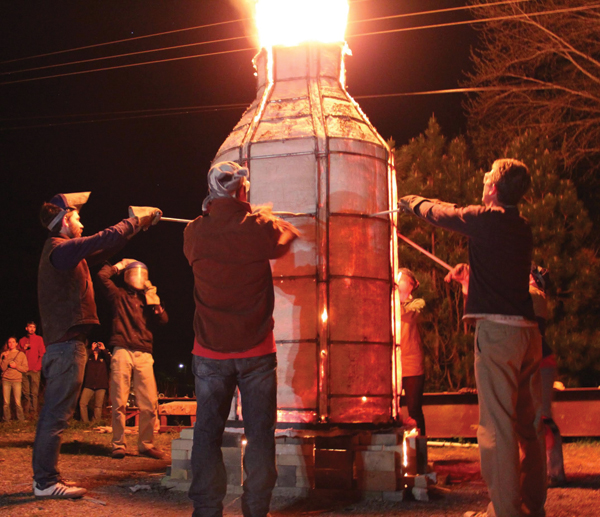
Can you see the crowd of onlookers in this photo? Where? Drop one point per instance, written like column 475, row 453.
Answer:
column 21, row 365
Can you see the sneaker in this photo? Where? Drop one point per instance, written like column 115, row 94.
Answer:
column 59, row 491
column 154, row 453
column 118, row 454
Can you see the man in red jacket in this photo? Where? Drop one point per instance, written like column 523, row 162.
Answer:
column 229, row 249
column 34, row 348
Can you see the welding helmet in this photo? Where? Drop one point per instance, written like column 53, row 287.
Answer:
column 224, row 179
column 66, row 203
column 136, row 274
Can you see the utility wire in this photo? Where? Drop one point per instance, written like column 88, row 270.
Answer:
column 161, row 112
column 129, row 54
column 404, row 29
column 481, row 20
column 135, row 38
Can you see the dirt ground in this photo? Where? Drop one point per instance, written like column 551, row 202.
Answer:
column 111, row 484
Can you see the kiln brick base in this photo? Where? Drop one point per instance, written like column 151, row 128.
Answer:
column 365, row 463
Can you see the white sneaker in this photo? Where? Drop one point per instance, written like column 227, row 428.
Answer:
column 59, row 491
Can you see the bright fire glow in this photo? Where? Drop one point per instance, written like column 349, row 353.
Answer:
column 364, row 399
column 291, row 22
column 324, row 316
column 407, row 435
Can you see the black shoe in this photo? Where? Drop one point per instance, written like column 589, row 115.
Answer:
column 154, row 453
column 118, row 454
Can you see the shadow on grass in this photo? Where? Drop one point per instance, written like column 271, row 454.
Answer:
column 583, row 481
column 92, row 449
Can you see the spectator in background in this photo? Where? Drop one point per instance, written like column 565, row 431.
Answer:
column 34, row 348
column 13, row 365
column 411, row 346
column 95, row 381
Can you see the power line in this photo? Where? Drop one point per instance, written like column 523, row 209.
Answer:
column 129, row 54
column 404, row 29
column 438, row 11
column 127, row 66
column 123, row 40
column 481, row 20
column 159, row 112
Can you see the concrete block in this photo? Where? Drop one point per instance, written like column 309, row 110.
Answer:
column 181, row 464
column 376, row 480
column 181, row 443
column 334, row 459
column 232, row 456
column 232, row 440
column 235, row 489
column 297, row 449
column 293, row 459
column 284, row 491
column 187, row 433
column 181, row 454
column 286, row 475
column 380, row 461
column 420, row 494
column 180, row 474
column 181, row 486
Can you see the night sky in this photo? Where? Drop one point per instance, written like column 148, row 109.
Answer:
column 163, row 160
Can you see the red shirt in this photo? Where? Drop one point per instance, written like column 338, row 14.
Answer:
column 35, row 352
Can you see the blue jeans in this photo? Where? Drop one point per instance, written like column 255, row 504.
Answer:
column 216, row 380
column 63, row 366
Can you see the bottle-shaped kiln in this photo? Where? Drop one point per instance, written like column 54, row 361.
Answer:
column 312, row 152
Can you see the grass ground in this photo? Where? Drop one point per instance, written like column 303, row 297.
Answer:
column 131, row 487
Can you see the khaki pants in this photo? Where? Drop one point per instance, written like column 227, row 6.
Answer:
column 125, row 366
column 510, row 433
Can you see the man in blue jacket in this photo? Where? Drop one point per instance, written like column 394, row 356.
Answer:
column 508, row 345
column 68, row 313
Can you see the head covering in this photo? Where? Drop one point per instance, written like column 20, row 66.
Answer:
column 224, row 179
column 408, row 273
column 136, row 274
column 67, row 203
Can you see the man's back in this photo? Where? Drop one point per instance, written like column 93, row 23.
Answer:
column 229, row 252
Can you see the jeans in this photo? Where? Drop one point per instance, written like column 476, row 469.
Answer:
column 15, row 387
column 216, row 381
column 86, row 396
column 413, row 391
column 63, row 367
column 31, row 389
column 125, row 365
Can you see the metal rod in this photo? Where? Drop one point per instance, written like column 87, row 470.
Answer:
column 387, row 212
column 425, row 252
column 176, row 220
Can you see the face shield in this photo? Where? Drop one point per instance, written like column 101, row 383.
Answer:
column 136, row 275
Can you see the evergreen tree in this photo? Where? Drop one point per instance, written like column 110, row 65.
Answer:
column 431, row 166
column 561, row 231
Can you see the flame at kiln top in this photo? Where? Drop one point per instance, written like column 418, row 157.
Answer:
column 291, row 22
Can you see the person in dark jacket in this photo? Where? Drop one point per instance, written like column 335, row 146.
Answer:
column 68, row 313
column 95, row 381
column 508, row 345
column 136, row 310
column 229, row 250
